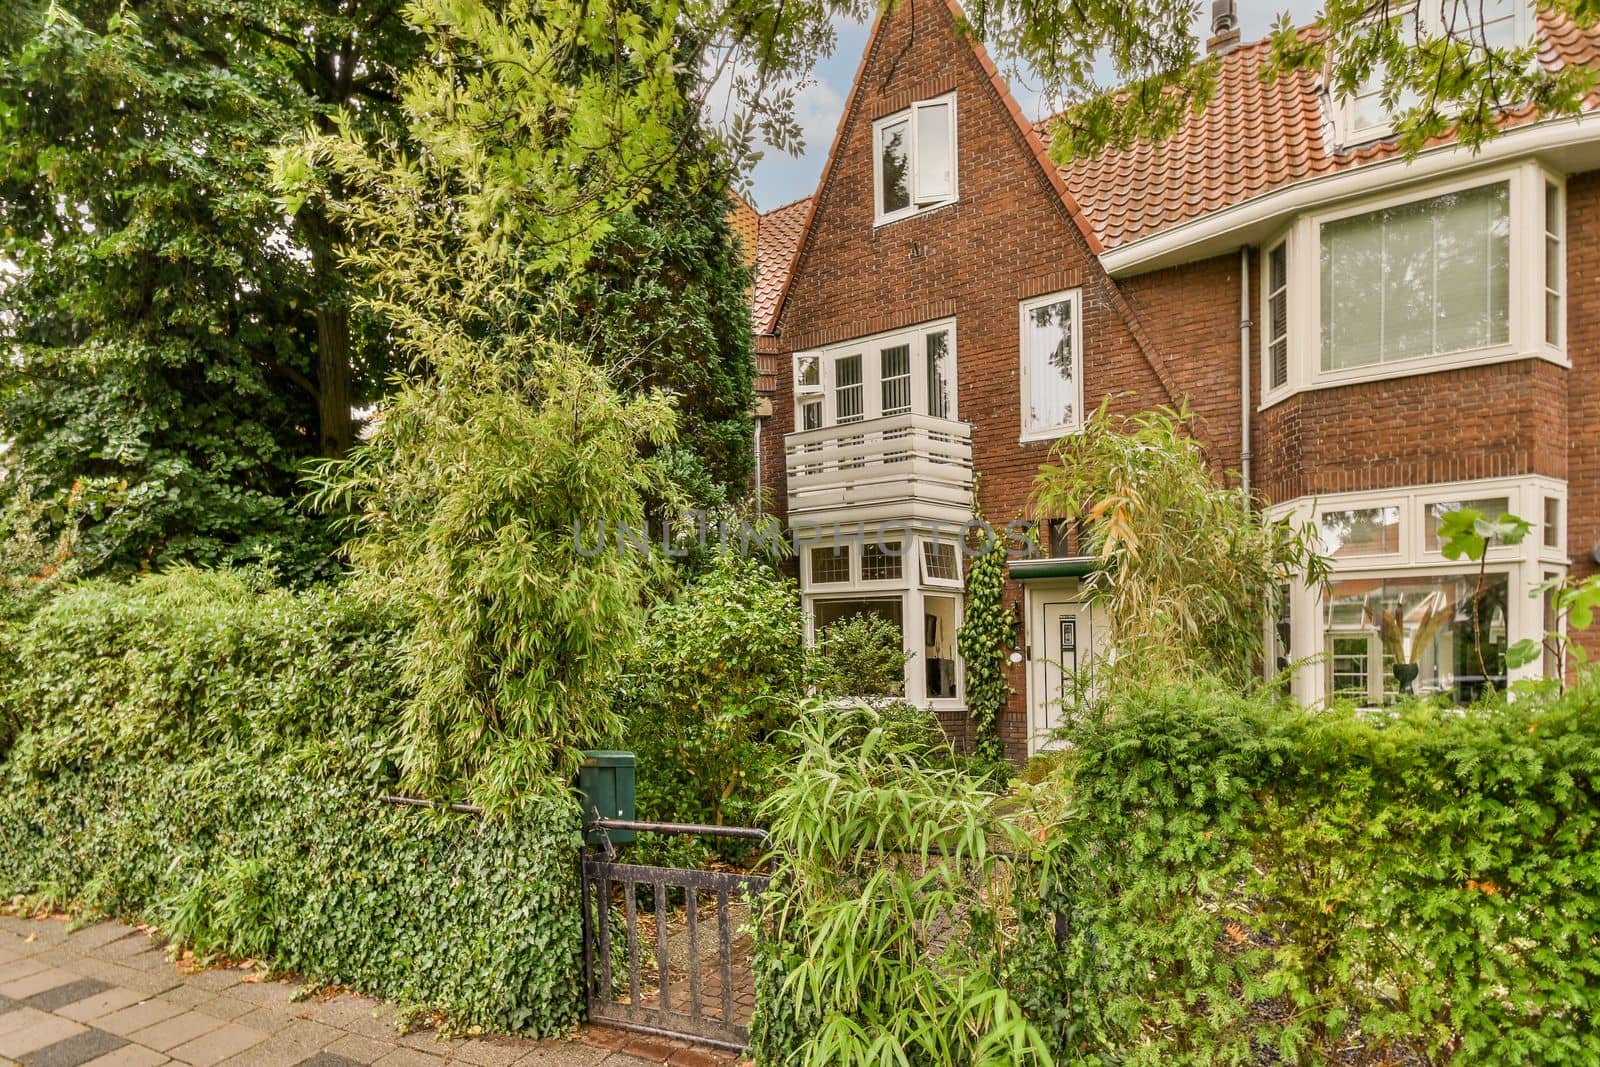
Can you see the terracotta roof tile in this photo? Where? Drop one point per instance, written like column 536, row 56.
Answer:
column 777, row 240
column 1254, row 137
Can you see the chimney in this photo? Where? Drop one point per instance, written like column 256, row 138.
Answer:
column 1224, row 27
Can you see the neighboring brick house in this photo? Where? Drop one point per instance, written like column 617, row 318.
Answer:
column 950, row 303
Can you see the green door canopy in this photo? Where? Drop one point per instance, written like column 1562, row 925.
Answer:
column 1025, row 570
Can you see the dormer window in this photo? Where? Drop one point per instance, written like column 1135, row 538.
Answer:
column 914, row 159
column 1478, row 24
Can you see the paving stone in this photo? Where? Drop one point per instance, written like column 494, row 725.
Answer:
column 129, row 947
column 488, row 1052
column 46, row 1031
column 38, row 982
column 189, row 996
column 141, row 1015
column 323, row 1059
column 263, row 992
column 358, row 1048
column 130, row 1056
column 63, row 995
column 408, row 1057
column 168, row 1034
column 225, row 1008
column 430, row 1042
column 216, row 980
column 308, row 1034
column 75, row 1050
column 227, row 1041
column 572, row 1055
column 21, row 969
column 19, row 1018
column 112, row 1000
column 98, row 936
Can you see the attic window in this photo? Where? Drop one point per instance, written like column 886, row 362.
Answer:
column 914, row 159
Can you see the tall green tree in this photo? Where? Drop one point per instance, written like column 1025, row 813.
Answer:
column 178, row 346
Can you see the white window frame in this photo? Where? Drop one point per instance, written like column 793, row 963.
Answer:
column 869, row 349
column 1526, row 316
column 1427, row 20
column 1526, row 563
column 911, row 589
column 1059, row 430
column 916, row 206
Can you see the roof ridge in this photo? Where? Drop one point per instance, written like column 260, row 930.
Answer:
column 785, row 207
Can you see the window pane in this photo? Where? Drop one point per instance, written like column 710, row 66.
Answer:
column 1492, row 507
column 847, row 389
column 939, row 562
column 881, row 563
column 1052, row 365
column 811, row 415
column 1437, row 635
column 830, row 564
column 828, row 612
column 935, row 168
column 1552, row 522
column 1552, row 264
column 1418, row 279
column 895, row 378
column 1278, row 315
column 808, row 372
column 1480, row 23
column 893, row 167
column 939, row 645
column 1361, row 531
column 940, row 393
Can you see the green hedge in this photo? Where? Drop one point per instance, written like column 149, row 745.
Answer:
column 1241, row 880
column 206, row 754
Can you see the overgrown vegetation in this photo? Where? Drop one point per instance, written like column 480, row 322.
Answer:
column 984, row 642
column 883, row 940
column 1186, row 564
column 205, row 752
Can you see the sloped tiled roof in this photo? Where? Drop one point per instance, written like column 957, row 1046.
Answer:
column 777, row 239
column 1254, row 137
column 746, row 222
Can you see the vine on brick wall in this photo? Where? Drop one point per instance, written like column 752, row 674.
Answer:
column 983, row 638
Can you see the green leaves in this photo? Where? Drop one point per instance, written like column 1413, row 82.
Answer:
column 984, row 640
column 1466, row 533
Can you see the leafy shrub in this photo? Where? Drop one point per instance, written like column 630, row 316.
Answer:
column 861, row 656
column 189, row 660
column 1239, row 879
column 205, row 752
column 293, row 861
column 883, row 935
column 713, row 682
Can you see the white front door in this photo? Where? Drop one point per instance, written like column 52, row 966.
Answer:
column 1061, row 639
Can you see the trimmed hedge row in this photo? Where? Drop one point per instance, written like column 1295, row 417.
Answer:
column 1243, row 880
column 207, row 756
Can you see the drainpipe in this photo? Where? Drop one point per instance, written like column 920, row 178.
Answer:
column 1245, row 324
column 759, row 509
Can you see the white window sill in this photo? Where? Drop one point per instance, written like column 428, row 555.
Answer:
column 1411, row 369
column 912, row 212
column 1037, row 437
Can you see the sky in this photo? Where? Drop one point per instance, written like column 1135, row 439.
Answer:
column 779, row 177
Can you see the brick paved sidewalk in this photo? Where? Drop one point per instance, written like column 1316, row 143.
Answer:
column 106, row 995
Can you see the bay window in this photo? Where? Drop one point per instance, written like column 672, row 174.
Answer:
column 1398, row 617
column 1455, row 274
column 1051, row 333
column 910, row 577
column 1417, row 279
column 914, row 159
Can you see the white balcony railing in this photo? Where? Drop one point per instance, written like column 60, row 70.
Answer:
column 901, row 466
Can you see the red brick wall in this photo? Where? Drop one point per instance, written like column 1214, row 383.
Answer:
column 1583, row 382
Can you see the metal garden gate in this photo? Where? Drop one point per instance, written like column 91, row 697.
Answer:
column 664, row 948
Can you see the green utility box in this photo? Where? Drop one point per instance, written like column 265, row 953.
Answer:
column 606, row 782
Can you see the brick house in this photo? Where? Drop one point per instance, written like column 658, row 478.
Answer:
column 949, row 304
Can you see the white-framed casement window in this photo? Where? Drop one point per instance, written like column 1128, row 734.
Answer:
column 1051, row 336
column 1450, row 274
column 914, row 159
column 912, row 579
column 1476, row 24
column 1400, row 617
column 911, row 371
